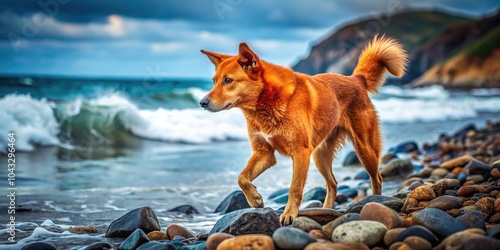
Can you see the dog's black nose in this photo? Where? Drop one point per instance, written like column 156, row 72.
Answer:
column 204, row 102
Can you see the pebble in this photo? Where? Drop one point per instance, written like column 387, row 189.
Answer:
column 441, row 186
column 439, row 222
column 419, row 231
column 377, row 212
column 477, row 167
column 134, row 240
column 154, row 245
column 467, row 240
column 176, row 230
column 414, row 185
column 404, row 147
column 248, row 221
column 417, row 243
column 396, row 169
column 467, row 191
column 320, row 215
column 388, row 157
column 445, row 202
column 248, row 241
column 292, row 238
column 99, row 246
column 398, row 246
column 486, row 205
column 157, row 235
column 317, row 234
column 495, row 219
column 476, row 178
column 234, row 201
column 143, row 218
column 305, row 224
column 184, row 209
column 494, row 233
column 392, row 234
column 38, row 246
column 457, row 162
column 278, row 193
column 327, row 245
column 328, row 228
column 349, row 192
column 311, row 204
column 472, row 219
column 422, row 193
column 440, row 172
column 495, row 173
column 410, row 205
column 391, row 202
column 351, row 160
column 215, row 239
column 317, row 193
column 364, row 231
column 496, row 205
column 362, row 175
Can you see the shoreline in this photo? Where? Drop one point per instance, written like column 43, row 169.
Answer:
column 34, row 211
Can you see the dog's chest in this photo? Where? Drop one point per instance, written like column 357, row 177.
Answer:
column 278, row 142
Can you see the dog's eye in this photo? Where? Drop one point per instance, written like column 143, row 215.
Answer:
column 228, row 80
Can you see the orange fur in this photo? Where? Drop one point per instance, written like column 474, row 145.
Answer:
column 300, row 115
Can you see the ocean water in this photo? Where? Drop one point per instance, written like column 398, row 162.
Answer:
column 119, row 144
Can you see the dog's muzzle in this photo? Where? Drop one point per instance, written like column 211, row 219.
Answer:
column 204, row 102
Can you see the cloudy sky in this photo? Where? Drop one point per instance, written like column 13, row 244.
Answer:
column 126, row 38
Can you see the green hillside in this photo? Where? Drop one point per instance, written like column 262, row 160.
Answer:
column 483, row 47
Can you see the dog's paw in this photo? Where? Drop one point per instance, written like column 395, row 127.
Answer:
column 287, row 219
column 256, row 202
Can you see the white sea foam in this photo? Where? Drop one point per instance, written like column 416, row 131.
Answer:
column 430, row 104
column 32, row 120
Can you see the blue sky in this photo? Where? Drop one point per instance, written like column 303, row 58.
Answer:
column 125, row 38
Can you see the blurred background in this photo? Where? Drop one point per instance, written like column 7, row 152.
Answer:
column 103, row 95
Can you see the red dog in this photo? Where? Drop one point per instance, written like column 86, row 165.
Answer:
column 300, row 115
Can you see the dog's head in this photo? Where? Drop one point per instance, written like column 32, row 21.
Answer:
column 237, row 80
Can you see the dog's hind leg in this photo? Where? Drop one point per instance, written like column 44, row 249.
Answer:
column 261, row 159
column 366, row 139
column 323, row 157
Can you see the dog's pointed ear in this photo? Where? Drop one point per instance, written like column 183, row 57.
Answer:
column 215, row 58
column 248, row 59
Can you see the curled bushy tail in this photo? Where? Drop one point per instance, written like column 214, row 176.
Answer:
column 380, row 54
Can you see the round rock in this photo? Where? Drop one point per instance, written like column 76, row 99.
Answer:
column 215, row 239
column 417, row 243
column 364, row 231
column 378, row 212
column 445, row 202
column 472, row 219
column 328, row 228
column 292, row 238
column 438, row 221
column 392, row 234
column 249, row 241
column 38, row 246
column 418, row 231
column 422, row 193
column 176, row 230
column 305, row 224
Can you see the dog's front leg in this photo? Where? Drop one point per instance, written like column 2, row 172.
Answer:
column 258, row 163
column 301, row 162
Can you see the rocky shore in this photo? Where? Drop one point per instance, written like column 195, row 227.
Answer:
column 448, row 198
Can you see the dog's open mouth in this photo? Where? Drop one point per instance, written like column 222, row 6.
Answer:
column 227, row 106
column 230, row 105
